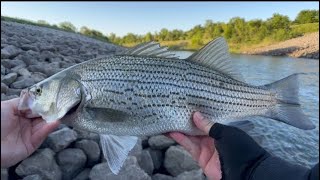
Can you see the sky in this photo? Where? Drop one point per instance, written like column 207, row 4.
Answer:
column 142, row 17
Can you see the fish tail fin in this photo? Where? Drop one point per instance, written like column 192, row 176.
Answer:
column 288, row 109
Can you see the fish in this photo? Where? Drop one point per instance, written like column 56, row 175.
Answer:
column 147, row 90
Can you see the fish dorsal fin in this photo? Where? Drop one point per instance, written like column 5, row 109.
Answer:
column 152, row 49
column 215, row 55
column 116, row 149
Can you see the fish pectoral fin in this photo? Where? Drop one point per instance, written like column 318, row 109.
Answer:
column 215, row 55
column 116, row 149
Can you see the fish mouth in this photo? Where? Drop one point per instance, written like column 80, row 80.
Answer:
column 26, row 103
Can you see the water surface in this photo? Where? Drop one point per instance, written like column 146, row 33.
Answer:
column 290, row 143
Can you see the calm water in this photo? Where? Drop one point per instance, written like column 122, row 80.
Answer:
column 287, row 142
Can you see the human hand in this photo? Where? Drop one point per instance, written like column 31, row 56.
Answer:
column 201, row 148
column 20, row 136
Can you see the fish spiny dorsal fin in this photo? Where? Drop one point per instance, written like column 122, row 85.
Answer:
column 151, row 49
column 215, row 55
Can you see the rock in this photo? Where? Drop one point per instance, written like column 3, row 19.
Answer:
column 160, row 142
column 46, row 56
column 71, row 162
column 83, row 175
column 9, row 78
column 14, row 92
column 4, row 97
column 36, row 68
column 3, row 70
column 41, row 162
column 129, row 171
column 29, row 57
column 144, row 142
column 24, row 83
column 24, row 72
column 177, row 160
column 191, row 175
column 38, row 76
column 27, row 47
column 146, row 162
column 137, row 150
column 162, row 177
column 17, row 68
column 4, row 174
column 33, row 177
column 4, row 88
column 60, row 139
column 9, row 52
column 88, row 135
column 157, row 157
column 91, row 149
column 8, row 63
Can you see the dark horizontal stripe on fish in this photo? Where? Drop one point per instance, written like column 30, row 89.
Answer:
column 228, row 102
column 211, row 107
column 169, row 84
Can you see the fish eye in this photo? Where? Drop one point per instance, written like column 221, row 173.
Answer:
column 38, row 91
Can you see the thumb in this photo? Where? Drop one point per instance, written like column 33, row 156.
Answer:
column 202, row 123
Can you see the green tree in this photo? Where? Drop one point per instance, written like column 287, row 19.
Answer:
column 278, row 21
column 307, row 16
column 43, row 22
column 68, row 26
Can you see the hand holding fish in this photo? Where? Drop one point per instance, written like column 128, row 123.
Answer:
column 20, row 136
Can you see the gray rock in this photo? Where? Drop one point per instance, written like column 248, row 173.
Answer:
column 36, row 68
column 9, row 52
column 3, row 70
column 146, row 162
column 24, row 72
column 91, row 149
column 60, row 139
column 160, row 142
column 4, row 88
column 178, row 160
column 144, row 141
column 83, row 175
column 4, row 174
column 29, row 57
column 88, row 135
column 71, row 162
column 191, row 175
column 27, row 47
column 9, row 78
column 13, row 92
column 17, row 68
column 33, row 177
column 162, row 177
column 4, row 97
column 23, row 83
column 42, row 162
column 137, row 150
column 156, row 156
column 46, row 56
column 38, row 76
column 129, row 171
column 8, row 63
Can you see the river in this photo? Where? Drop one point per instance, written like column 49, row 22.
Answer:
column 290, row 143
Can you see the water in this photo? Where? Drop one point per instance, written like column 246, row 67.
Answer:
column 290, row 143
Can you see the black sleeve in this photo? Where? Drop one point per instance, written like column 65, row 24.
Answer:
column 242, row 158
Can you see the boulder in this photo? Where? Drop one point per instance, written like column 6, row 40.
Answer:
column 71, row 162
column 146, row 162
column 41, row 162
column 33, row 177
column 23, row 83
column 10, row 52
column 91, row 149
column 83, row 175
column 60, row 139
column 9, row 78
column 160, row 142
column 156, row 156
column 177, row 160
column 191, row 175
column 162, row 177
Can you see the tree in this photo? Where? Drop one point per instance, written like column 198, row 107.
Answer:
column 68, row 26
column 148, row 37
column 307, row 16
column 278, row 21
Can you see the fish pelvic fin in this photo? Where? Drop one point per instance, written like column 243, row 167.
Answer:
column 116, row 149
column 288, row 109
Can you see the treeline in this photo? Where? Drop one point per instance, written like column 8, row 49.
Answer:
column 236, row 31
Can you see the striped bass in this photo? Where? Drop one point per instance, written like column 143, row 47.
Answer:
column 147, row 91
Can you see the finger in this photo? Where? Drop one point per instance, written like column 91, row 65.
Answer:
column 186, row 143
column 43, row 131
column 206, row 152
column 202, row 123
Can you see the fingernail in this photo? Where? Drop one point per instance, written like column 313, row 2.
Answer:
column 199, row 115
